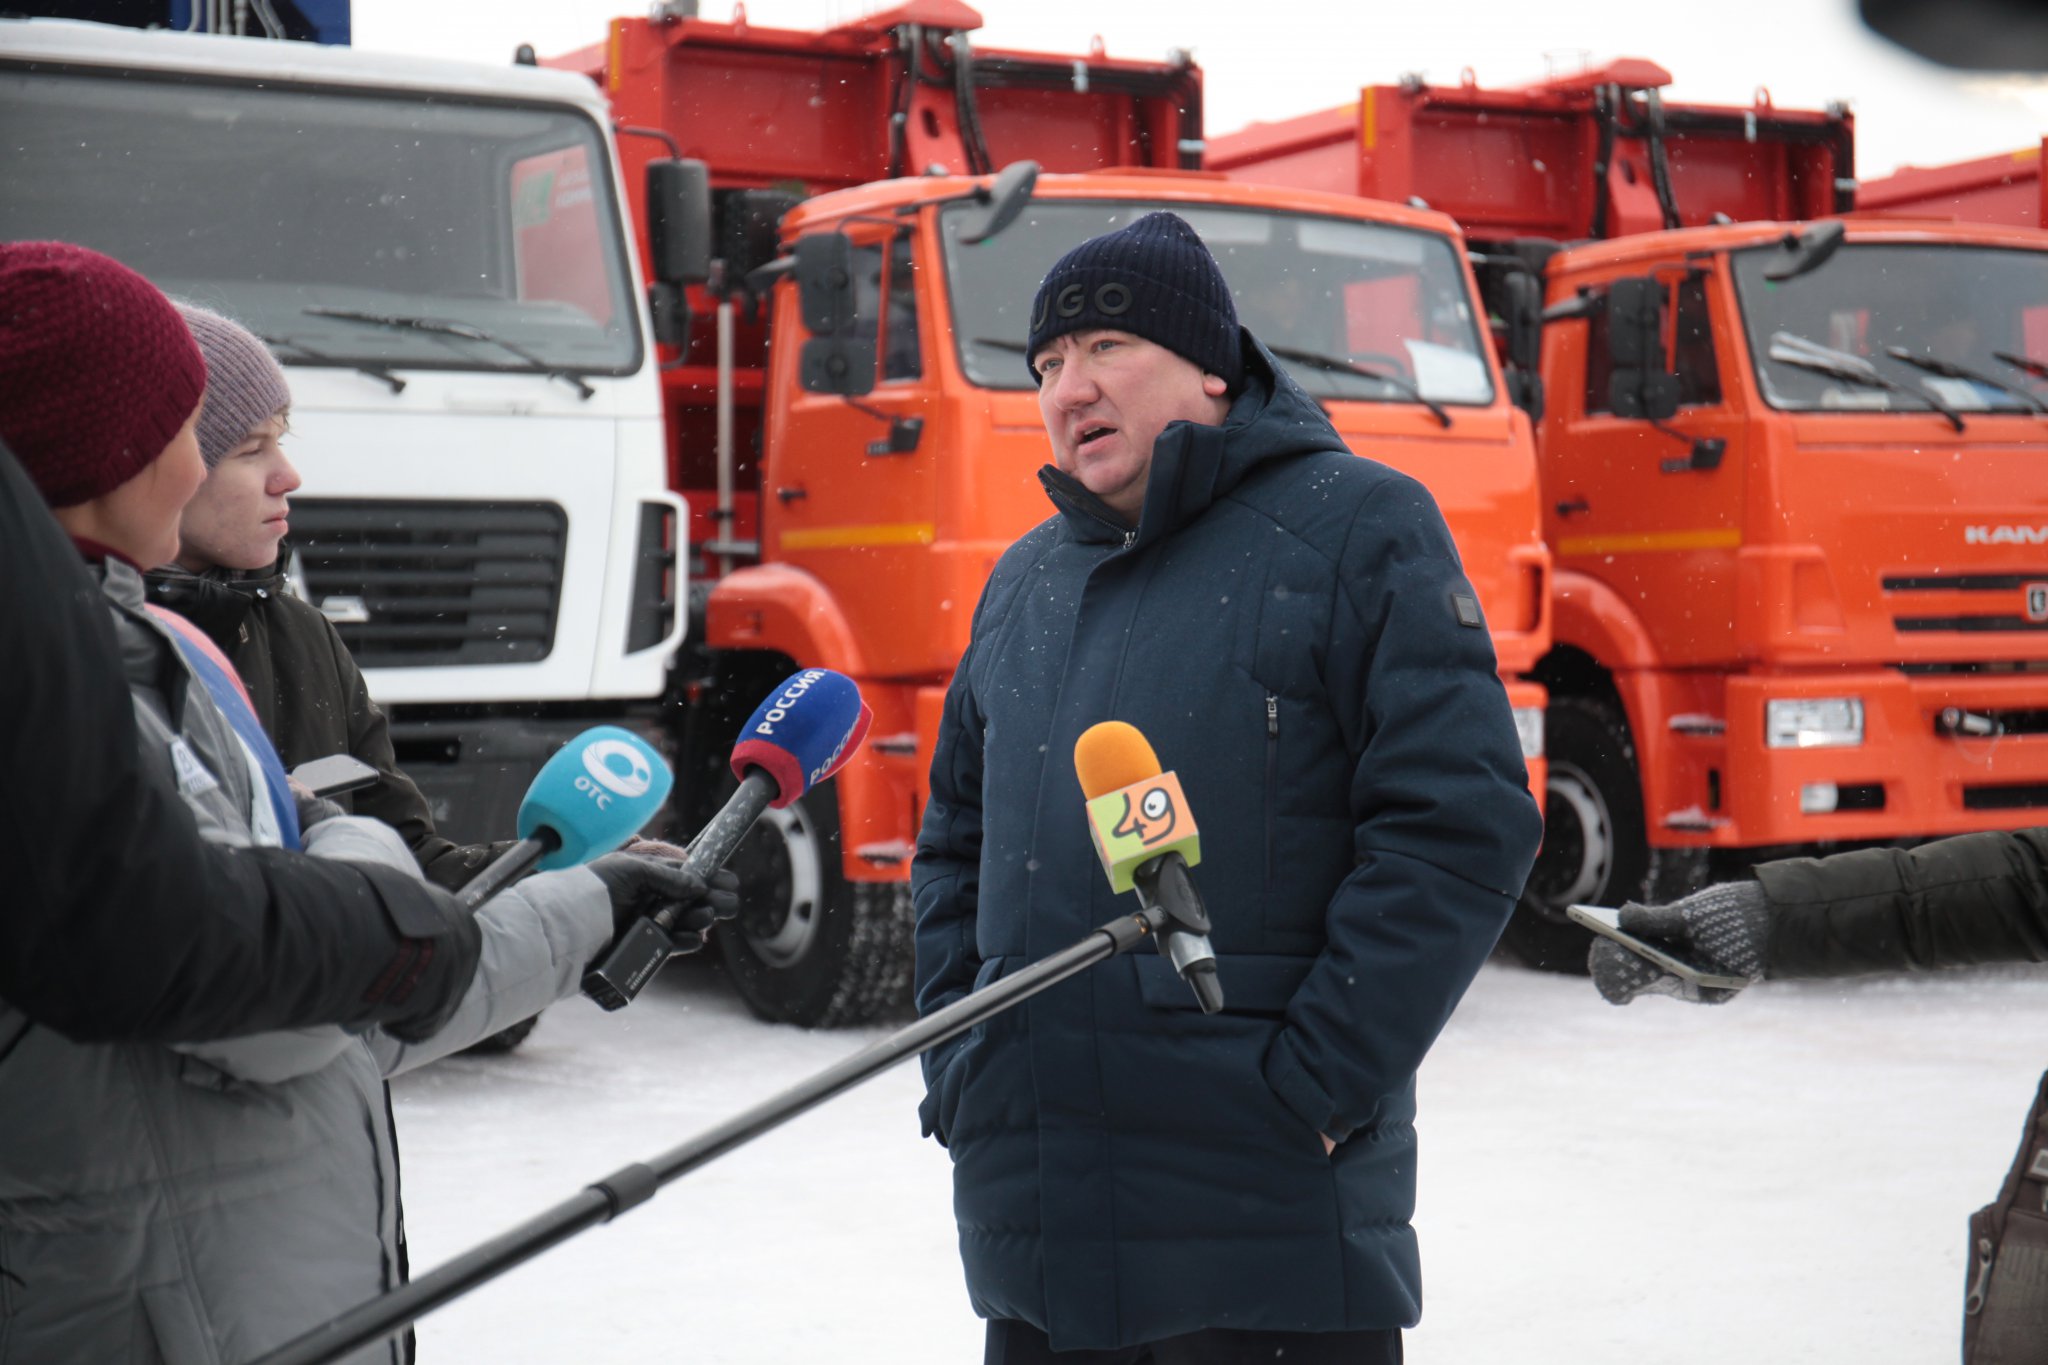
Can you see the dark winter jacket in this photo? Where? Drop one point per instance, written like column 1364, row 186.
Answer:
column 119, row 921
column 1284, row 626
column 311, row 697
column 1951, row 903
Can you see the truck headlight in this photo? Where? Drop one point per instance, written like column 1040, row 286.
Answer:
column 1814, row 723
column 1529, row 729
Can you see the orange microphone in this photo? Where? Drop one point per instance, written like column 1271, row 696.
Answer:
column 1145, row 836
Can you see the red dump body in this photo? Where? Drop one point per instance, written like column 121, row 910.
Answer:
column 1570, row 158
column 2005, row 189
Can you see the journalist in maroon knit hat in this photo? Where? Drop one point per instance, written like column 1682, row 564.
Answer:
column 97, row 371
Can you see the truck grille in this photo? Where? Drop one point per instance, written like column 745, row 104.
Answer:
column 1983, row 603
column 430, row 584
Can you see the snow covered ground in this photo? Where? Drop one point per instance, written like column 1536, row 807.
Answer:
column 1785, row 1178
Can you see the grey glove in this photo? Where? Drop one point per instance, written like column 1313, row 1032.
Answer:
column 640, row 886
column 1723, row 929
column 312, row 809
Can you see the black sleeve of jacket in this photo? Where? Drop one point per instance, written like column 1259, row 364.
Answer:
column 117, row 920
column 1445, row 826
column 394, row 798
column 1951, row 903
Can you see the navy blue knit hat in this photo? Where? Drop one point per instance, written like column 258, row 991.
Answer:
column 1153, row 279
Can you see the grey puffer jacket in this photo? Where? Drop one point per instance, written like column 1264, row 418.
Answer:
column 202, row 1204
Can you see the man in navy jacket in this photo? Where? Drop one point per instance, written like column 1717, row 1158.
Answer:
column 1289, row 625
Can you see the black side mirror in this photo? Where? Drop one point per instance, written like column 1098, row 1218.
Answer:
column 679, row 221
column 1642, row 384
column 1805, row 251
column 841, row 365
column 824, row 281
column 1004, row 200
column 833, row 360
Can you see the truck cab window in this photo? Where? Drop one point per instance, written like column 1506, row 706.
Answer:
column 1689, row 336
column 901, row 356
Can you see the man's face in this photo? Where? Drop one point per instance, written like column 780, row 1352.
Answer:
column 238, row 516
column 1105, row 396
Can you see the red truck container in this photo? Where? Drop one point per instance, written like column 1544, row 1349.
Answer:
column 2006, row 189
column 856, row 454
column 1792, row 471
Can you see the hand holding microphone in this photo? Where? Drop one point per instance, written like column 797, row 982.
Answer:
column 646, row 877
column 1146, row 838
column 801, row 735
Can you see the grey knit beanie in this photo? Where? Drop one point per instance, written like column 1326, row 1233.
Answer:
column 244, row 383
column 1153, row 279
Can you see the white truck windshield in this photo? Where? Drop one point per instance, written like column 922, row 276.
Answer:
column 292, row 210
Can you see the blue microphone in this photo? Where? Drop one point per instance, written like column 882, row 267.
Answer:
column 803, row 733
column 596, row 792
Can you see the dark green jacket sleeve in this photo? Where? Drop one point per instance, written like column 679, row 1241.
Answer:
column 1951, row 903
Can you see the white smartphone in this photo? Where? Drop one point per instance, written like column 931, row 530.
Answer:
column 1606, row 921
column 333, row 775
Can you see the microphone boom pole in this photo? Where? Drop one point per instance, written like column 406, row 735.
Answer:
column 637, row 1183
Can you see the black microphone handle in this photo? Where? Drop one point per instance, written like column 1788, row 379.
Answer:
column 716, row 841
column 507, row 868
column 647, row 945
column 1165, row 890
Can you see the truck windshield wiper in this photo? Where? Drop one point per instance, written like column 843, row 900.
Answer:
column 436, row 327
column 1338, row 365
column 2025, row 364
column 377, row 372
column 1798, row 352
column 1949, row 369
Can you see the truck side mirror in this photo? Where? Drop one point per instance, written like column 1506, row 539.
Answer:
column 1642, row 384
column 679, row 221
column 1004, row 200
column 834, row 360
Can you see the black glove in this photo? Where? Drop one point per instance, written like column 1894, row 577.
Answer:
column 1723, row 929
column 640, row 886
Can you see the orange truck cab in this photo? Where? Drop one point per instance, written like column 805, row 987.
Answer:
column 1793, row 479
column 858, row 437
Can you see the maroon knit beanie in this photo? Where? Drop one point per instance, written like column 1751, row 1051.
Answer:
column 97, row 370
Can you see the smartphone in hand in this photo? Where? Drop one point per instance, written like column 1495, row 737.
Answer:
column 1605, row 921
column 333, row 775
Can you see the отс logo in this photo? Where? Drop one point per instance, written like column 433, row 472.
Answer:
column 618, row 767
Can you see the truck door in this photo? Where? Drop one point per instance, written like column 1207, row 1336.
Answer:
column 1652, row 506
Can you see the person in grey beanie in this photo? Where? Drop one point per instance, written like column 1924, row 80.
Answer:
column 228, row 579
column 1289, row 625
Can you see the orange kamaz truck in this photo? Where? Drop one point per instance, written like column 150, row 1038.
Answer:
column 841, row 288
column 1794, row 467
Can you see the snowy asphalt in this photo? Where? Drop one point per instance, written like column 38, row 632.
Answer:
column 1785, row 1178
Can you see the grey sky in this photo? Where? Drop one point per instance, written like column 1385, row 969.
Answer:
column 1274, row 59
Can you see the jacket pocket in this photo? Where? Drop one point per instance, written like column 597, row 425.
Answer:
column 1253, row 983
column 941, row 1104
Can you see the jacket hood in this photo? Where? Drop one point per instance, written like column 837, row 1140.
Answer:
column 1193, row 465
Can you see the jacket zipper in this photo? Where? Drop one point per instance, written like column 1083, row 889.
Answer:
column 1272, row 781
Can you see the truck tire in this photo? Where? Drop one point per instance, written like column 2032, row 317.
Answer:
column 1595, row 848
column 810, row 947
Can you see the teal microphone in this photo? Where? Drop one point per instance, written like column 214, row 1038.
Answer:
column 596, row 792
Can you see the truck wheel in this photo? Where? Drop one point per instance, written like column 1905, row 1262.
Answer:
column 1595, row 851
column 810, row 947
